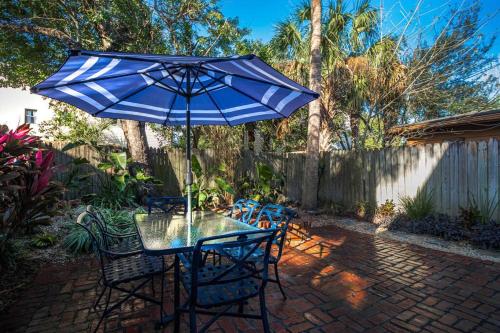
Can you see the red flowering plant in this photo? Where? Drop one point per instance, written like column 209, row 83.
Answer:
column 28, row 195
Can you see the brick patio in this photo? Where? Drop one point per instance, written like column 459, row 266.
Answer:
column 339, row 281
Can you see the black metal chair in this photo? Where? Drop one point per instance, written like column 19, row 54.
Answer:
column 167, row 204
column 243, row 210
column 230, row 283
column 116, row 242
column 279, row 218
column 120, row 268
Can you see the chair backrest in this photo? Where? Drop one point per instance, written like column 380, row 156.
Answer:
column 245, row 209
column 100, row 222
column 279, row 218
column 166, row 204
column 236, row 249
column 91, row 225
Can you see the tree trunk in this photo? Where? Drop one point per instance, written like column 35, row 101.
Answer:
column 250, row 128
column 311, row 177
column 354, row 122
column 134, row 131
column 135, row 135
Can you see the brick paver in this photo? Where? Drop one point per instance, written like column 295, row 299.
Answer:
column 338, row 281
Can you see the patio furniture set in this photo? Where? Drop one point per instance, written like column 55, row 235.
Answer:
column 221, row 261
column 185, row 91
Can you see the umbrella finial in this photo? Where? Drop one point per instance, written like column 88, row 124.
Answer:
column 75, row 53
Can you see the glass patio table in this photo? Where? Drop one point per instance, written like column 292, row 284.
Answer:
column 164, row 234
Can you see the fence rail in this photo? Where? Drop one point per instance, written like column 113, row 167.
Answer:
column 453, row 172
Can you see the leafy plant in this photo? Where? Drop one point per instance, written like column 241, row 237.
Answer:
column 469, row 216
column 486, row 235
column 419, row 206
column 77, row 175
column 117, row 221
column 478, row 211
column 43, row 240
column 118, row 186
column 8, row 253
column 206, row 193
column 28, row 196
column 266, row 186
column 365, row 209
column 388, row 208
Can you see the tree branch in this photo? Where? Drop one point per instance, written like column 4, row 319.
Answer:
column 35, row 29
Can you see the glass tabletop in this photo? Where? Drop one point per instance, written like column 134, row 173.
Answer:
column 171, row 233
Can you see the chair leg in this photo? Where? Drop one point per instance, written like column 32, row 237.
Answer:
column 104, row 312
column 278, row 279
column 153, row 285
column 99, row 298
column 241, row 307
column 263, row 311
column 192, row 319
column 162, row 287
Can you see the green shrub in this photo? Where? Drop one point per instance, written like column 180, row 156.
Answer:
column 28, row 194
column 117, row 221
column 8, row 254
column 388, row 208
column 365, row 209
column 43, row 240
column 119, row 186
column 204, row 193
column 266, row 186
column 419, row 206
column 478, row 211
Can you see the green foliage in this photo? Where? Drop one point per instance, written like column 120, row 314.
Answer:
column 209, row 188
column 419, row 206
column 372, row 81
column 388, row 208
column 478, row 211
column 77, row 175
column 43, row 240
column 118, row 186
column 8, row 253
column 265, row 186
column 70, row 124
column 28, row 196
column 365, row 209
column 117, row 221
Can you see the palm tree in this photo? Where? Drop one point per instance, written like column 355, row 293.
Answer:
column 310, row 184
column 362, row 75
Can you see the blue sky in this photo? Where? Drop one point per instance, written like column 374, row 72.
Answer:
column 262, row 15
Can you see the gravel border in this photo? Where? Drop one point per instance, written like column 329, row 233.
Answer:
column 427, row 241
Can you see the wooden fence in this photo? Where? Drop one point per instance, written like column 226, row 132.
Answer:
column 453, row 172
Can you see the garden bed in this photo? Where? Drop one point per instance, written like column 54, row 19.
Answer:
column 399, row 229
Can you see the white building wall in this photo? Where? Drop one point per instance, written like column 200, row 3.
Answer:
column 13, row 103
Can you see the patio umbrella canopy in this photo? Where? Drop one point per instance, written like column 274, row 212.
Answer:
column 175, row 90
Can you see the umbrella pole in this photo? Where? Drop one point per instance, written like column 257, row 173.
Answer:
column 189, row 174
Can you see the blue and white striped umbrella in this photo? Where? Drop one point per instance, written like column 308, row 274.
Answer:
column 175, row 90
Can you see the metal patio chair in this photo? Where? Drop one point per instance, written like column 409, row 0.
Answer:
column 243, row 210
column 115, row 242
column 279, row 218
column 230, row 283
column 121, row 268
column 168, row 204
